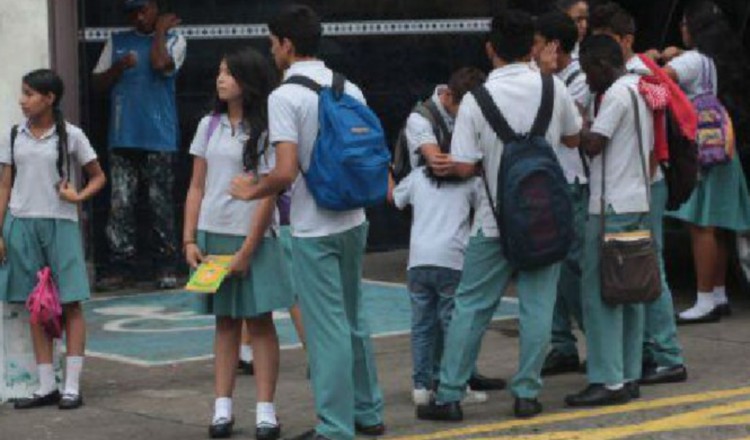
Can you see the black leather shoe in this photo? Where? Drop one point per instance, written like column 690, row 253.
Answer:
column 246, row 367
column 675, row 374
column 724, row 309
column 37, row 401
column 477, row 382
column 444, row 412
column 633, row 389
column 267, row 431
column 70, row 401
column 598, row 395
column 526, row 408
column 712, row 316
column 222, row 428
column 559, row 363
column 370, row 431
column 309, row 435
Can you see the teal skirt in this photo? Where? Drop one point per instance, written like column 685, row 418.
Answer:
column 263, row 289
column 720, row 199
column 35, row 243
column 285, row 237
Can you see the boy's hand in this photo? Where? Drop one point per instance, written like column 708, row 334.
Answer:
column 243, row 186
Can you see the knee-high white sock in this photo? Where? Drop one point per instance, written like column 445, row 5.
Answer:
column 222, row 409
column 265, row 413
column 73, row 367
column 720, row 295
column 246, row 353
column 47, row 382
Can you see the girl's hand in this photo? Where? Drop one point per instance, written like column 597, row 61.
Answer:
column 240, row 263
column 193, row 255
column 669, row 53
column 3, row 251
column 68, row 193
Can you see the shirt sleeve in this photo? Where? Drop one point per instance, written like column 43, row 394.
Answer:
column 352, row 89
column 688, row 67
column 571, row 117
column 465, row 143
column 402, row 192
column 282, row 117
column 80, row 146
column 613, row 109
column 5, row 148
column 200, row 144
column 105, row 59
column 580, row 91
column 177, row 49
column 418, row 132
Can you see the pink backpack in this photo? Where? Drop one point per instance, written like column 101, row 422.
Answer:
column 44, row 304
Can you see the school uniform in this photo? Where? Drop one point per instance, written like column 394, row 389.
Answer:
column 721, row 197
column 40, row 228
column 328, row 248
column 419, row 130
column 614, row 334
column 224, row 222
column 439, row 236
column 516, row 89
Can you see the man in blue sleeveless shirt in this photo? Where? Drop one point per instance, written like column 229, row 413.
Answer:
column 138, row 67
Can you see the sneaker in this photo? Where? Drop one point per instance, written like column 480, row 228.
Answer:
column 421, row 396
column 166, row 281
column 473, row 396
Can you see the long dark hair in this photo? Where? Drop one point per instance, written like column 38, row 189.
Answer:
column 712, row 36
column 46, row 81
column 256, row 78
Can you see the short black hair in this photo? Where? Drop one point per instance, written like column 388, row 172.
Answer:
column 565, row 5
column 612, row 17
column 602, row 49
column 464, row 80
column 301, row 25
column 558, row 26
column 512, row 35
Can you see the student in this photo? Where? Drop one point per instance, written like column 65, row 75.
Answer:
column 515, row 87
column 663, row 360
column 328, row 246
column 556, row 27
column 139, row 67
column 719, row 205
column 39, row 204
column 614, row 334
column 217, row 224
column 578, row 11
column 429, row 140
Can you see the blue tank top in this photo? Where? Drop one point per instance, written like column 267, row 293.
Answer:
column 143, row 110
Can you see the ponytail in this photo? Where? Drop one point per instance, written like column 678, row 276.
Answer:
column 62, row 145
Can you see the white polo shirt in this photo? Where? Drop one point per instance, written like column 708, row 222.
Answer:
column 419, row 130
column 221, row 213
column 293, row 117
column 517, row 91
column 440, row 224
column 574, row 79
column 625, row 190
column 691, row 68
column 34, row 193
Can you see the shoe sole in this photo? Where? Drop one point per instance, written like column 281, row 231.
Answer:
column 668, row 380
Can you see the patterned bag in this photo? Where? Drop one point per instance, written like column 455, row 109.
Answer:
column 44, row 304
column 715, row 135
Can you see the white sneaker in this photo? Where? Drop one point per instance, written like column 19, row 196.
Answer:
column 421, row 396
column 474, row 397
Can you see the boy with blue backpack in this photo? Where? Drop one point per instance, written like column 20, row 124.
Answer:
column 332, row 147
column 509, row 128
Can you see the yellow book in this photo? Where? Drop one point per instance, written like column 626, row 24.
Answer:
column 208, row 277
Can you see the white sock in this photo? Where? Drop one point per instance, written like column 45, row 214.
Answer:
column 223, row 409
column 265, row 413
column 720, row 295
column 246, row 353
column 615, row 387
column 73, row 367
column 47, row 382
column 703, row 305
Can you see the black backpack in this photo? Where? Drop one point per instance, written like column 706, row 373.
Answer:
column 401, row 166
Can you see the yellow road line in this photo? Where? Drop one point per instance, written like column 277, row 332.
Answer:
column 576, row 415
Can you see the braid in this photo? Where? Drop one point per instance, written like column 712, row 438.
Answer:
column 62, row 143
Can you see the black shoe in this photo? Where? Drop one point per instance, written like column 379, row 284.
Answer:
column 370, row 431
column 675, row 374
column 526, row 408
column 712, row 316
column 477, row 382
column 37, row 401
column 70, row 401
column 221, row 428
column 247, row 368
column 634, row 390
column 444, row 412
column 724, row 309
column 598, row 395
column 309, row 435
column 267, row 431
column 559, row 363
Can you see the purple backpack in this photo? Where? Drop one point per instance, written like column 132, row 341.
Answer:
column 715, row 136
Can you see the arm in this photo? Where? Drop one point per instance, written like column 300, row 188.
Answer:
column 672, row 74
column 96, row 181
column 245, row 187
column 6, row 183
column 593, row 143
column 258, row 227
column 571, row 141
column 105, row 80
column 161, row 60
column 192, row 209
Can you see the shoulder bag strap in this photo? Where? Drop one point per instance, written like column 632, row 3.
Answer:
column 441, row 128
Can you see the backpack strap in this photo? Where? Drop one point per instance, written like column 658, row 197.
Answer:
column 306, row 82
column 493, row 115
column 544, row 116
column 213, row 123
column 569, row 80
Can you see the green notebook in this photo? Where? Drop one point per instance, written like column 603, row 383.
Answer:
column 208, row 277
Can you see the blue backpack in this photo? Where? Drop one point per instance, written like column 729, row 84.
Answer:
column 349, row 162
column 534, row 211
